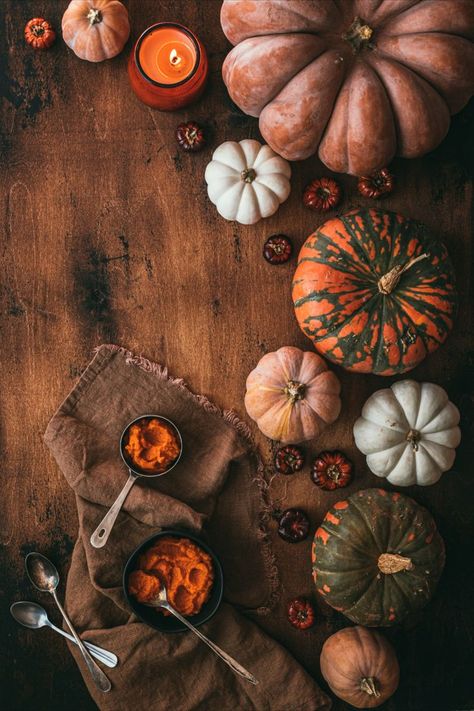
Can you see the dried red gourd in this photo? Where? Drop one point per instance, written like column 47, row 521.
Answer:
column 374, row 186
column 277, row 249
column 190, row 136
column 293, row 525
column 322, row 194
column 331, row 470
column 39, row 33
column 289, row 459
column 301, row 613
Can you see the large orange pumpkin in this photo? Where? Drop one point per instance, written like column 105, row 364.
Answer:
column 359, row 80
column 374, row 291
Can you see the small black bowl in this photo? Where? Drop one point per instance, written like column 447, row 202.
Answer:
column 123, row 440
column 151, row 616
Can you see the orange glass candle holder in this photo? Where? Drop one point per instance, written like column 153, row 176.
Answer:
column 168, row 67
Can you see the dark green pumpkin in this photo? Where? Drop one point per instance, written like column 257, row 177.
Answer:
column 377, row 557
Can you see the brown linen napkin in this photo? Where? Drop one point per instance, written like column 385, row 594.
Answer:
column 170, row 671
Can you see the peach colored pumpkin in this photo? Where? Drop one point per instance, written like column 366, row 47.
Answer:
column 96, row 29
column 292, row 395
column 358, row 81
column 360, row 666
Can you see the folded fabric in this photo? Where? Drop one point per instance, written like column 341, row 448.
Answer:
column 216, row 480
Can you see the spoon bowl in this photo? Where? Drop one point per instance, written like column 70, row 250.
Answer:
column 34, row 617
column 29, row 614
column 42, row 572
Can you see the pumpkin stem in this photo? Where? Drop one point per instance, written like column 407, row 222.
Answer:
column 359, row 35
column 369, row 685
column 94, row 16
column 333, row 472
column 390, row 563
column 413, row 436
column 248, row 175
column 38, row 30
column 294, row 390
column 389, row 281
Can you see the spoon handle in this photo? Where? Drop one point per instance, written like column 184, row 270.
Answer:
column 235, row 666
column 101, row 534
column 98, row 676
column 108, row 658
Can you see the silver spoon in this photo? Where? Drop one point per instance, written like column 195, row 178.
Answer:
column 45, row 577
column 33, row 616
column 162, row 601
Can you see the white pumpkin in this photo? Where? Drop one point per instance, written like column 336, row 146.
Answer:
column 247, row 181
column 409, row 433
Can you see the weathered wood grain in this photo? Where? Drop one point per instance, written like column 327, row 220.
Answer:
column 108, row 236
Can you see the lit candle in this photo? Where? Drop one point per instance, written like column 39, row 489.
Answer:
column 168, row 67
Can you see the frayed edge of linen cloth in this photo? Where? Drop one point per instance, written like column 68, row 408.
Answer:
column 244, row 432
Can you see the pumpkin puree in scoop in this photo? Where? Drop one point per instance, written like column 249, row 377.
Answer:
column 182, row 566
column 151, row 445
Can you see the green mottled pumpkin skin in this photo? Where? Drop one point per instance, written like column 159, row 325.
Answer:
column 347, row 546
column 339, row 305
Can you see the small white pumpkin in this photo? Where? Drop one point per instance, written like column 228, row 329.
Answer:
column 247, row 181
column 409, row 433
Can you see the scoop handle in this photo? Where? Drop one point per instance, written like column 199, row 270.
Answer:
column 232, row 663
column 103, row 655
column 101, row 534
column 101, row 681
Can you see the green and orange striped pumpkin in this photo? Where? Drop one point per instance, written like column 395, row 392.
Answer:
column 377, row 557
column 374, row 291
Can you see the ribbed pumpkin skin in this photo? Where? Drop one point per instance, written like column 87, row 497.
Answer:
column 337, row 299
column 357, row 81
column 346, row 550
column 96, row 41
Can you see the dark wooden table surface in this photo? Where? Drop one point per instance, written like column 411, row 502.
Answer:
column 108, row 236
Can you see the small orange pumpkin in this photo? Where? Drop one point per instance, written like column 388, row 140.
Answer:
column 292, row 395
column 360, row 667
column 96, row 29
column 39, row 33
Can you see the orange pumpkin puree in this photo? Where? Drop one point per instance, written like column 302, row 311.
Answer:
column 151, row 445
column 182, row 566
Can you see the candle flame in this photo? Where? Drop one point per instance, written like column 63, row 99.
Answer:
column 175, row 59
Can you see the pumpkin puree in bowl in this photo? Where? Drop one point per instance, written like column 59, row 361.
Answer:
column 182, row 566
column 151, row 445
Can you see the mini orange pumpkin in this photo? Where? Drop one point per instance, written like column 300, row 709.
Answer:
column 292, row 395
column 39, row 33
column 96, row 29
